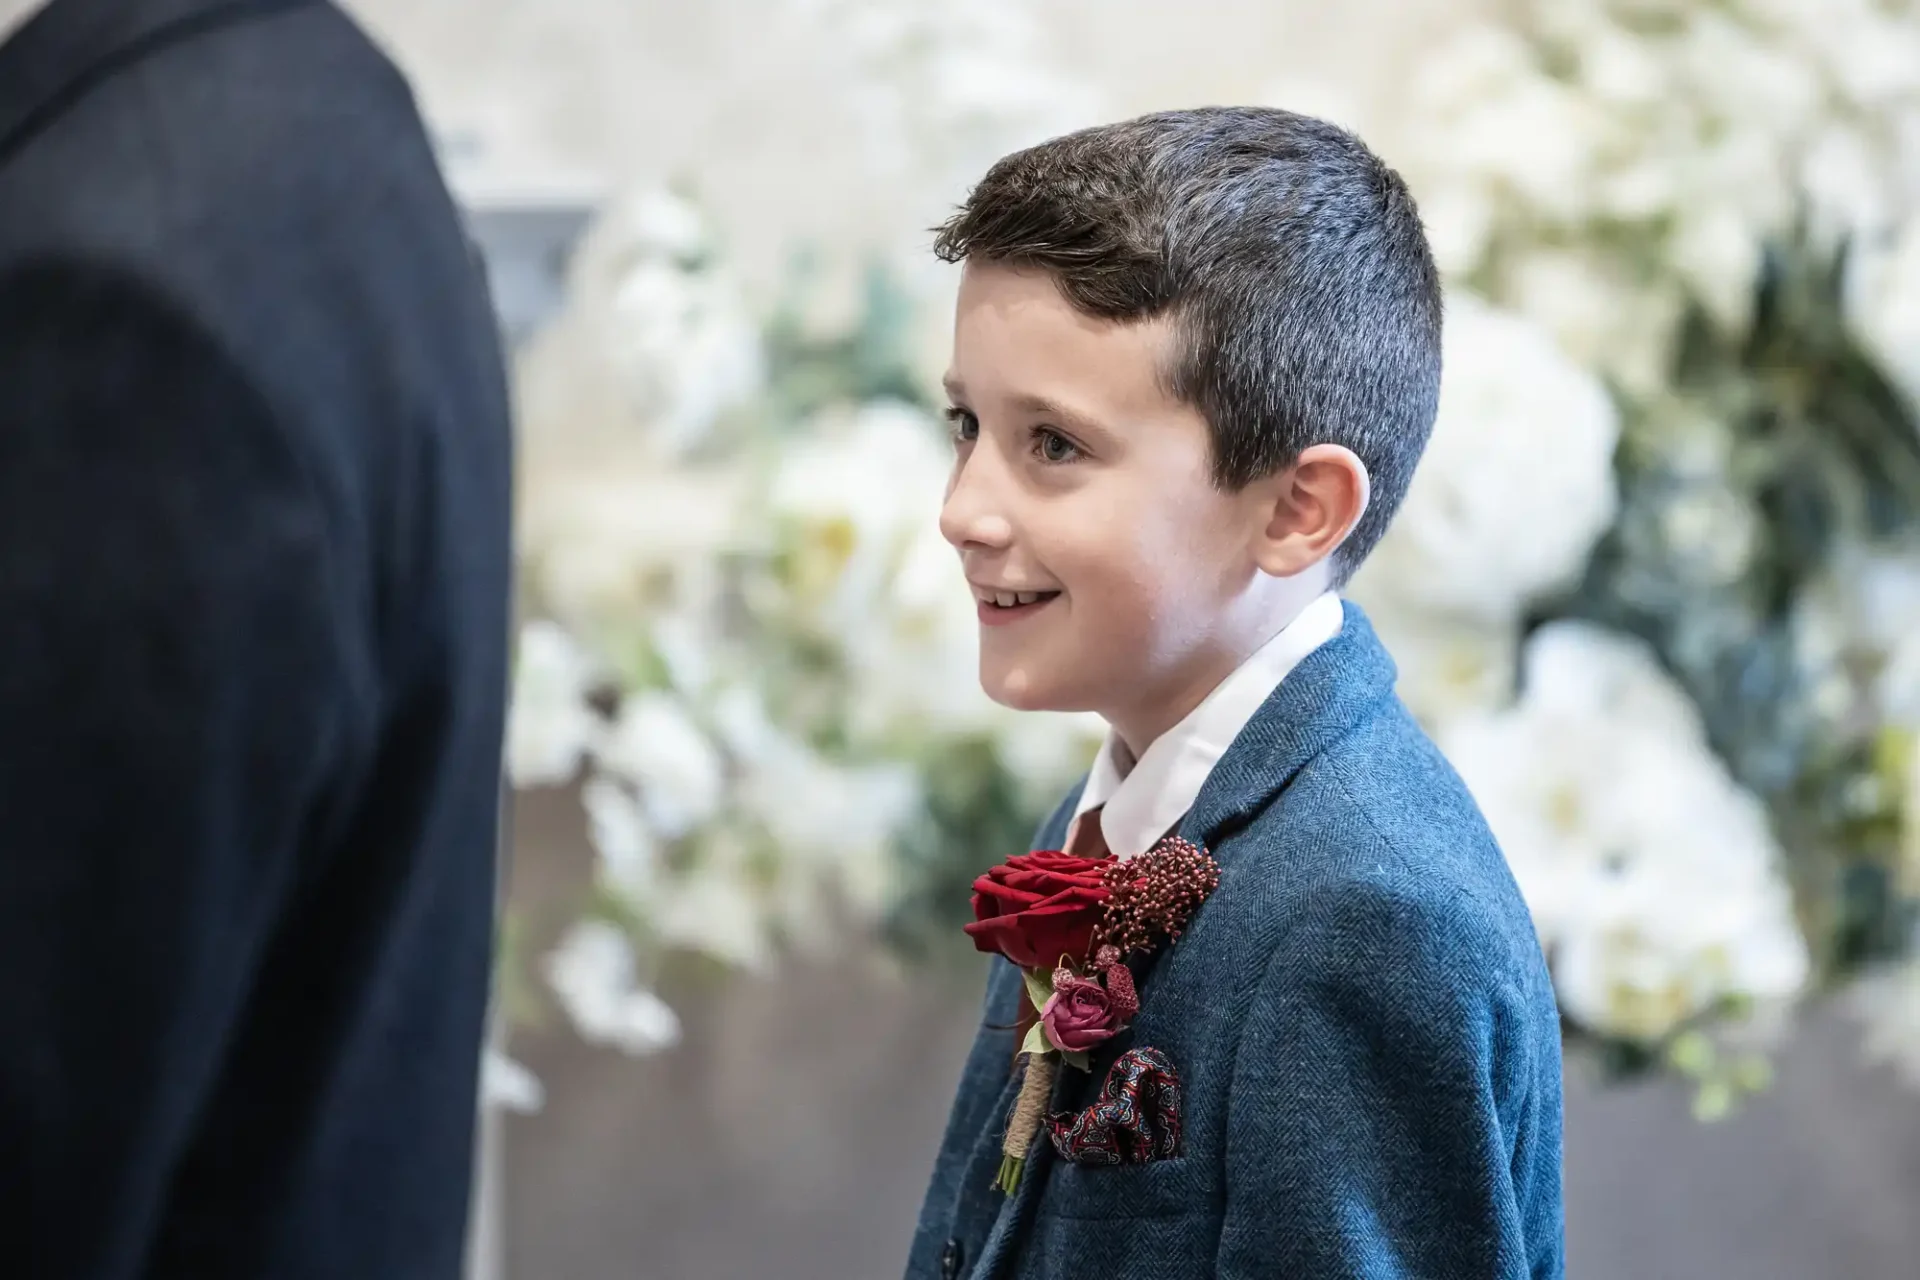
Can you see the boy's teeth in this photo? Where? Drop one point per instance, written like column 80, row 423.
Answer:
column 1008, row 599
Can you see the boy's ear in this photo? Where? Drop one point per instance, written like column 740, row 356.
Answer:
column 1310, row 508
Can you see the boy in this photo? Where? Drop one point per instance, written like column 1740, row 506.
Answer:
column 1196, row 359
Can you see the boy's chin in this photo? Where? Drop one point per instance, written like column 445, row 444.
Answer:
column 1027, row 691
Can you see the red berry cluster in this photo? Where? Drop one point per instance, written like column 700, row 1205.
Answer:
column 1154, row 895
column 1121, row 997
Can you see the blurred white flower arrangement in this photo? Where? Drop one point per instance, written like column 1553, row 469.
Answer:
column 747, row 643
column 1524, row 440
column 1685, row 282
column 1884, row 303
column 1653, row 877
column 1655, row 588
column 1601, row 162
column 943, row 88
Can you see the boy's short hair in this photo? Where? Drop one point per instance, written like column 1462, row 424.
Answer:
column 1290, row 258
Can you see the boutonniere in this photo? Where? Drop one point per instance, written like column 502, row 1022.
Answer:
column 1070, row 923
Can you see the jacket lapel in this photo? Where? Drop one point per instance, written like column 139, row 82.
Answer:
column 1334, row 688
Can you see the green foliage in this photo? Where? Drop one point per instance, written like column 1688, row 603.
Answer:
column 870, row 360
column 520, row 1001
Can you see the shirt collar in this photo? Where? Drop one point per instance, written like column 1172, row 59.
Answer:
column 1146, row 798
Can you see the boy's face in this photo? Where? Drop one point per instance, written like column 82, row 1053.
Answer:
column 1082, row 486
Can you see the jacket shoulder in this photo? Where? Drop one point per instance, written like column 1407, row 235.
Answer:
column 1377, row 847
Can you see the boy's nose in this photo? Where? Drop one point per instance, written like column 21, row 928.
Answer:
column 973, row 514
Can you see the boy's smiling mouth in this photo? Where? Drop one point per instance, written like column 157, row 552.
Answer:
column 998, row 606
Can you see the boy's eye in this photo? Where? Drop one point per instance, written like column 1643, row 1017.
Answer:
column 1054, row 447
column 963, row 425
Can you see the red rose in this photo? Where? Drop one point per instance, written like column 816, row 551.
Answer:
column 1038, row 908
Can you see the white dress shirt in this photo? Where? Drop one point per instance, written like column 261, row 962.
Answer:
column 1141, row 801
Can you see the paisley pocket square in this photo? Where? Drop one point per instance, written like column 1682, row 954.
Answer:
column 1136, row 1120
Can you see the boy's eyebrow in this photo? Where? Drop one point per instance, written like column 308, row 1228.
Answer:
column 1054, row 409
column 1035, row 404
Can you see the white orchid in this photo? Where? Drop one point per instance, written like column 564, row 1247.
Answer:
column 1597, row 311
column 917, row 658
column 1517, row 481
column 507, row 1084
column 592, row 972
column 718, row 908
column 1653, row 877
column 858, row 499
column 833, row 821
column 1449, row 665
column 627, row 845
column 654, row 744
column 616, row 541
column 1889, row 1004
column 1672, row 138
column 654, row 225
column 657, row 343
column 1884, row 305
column 685, row 347
column 942, row 88
column 836, row 824
column 550, row 724
column 1864, row 617
column 880, row 470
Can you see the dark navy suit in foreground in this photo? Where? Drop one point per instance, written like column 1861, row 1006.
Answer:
column 1361, row 1017
column 254, row 572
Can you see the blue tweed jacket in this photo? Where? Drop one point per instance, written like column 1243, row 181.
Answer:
column 1362, row 1022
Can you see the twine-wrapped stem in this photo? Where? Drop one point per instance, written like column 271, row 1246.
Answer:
column 1035, row 1090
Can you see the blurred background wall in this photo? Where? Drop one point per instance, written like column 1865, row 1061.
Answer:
column 750, row 98
column 755, row 774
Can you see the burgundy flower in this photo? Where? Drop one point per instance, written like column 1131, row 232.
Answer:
column 1080, row 1015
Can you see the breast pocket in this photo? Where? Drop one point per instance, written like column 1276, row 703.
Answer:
column 1161, row 1188
column 1127, row 1222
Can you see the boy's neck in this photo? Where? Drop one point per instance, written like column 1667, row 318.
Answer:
column 1137, row 727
